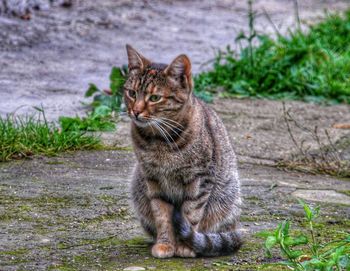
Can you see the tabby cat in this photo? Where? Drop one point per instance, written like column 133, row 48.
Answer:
column 185, row 186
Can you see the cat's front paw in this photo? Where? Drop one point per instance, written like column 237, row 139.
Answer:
column 163, row 250
column 184, row 251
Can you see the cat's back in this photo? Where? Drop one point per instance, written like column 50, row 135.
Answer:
column 218, row 135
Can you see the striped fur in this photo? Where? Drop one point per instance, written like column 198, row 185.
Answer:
column 185, row 186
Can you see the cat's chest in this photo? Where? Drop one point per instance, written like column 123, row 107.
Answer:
column 161, row 157
column 175, row 167
column 173, row 170
column 164, row 167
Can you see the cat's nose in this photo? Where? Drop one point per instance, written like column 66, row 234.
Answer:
column 137, row 113
column 138, row 108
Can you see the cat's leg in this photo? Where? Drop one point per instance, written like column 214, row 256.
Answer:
column 162, row 214
column 197, row 194
column 155, row 215
column 165, row 241
column 142, row 204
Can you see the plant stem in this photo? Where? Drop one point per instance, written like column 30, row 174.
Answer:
column 314, row 243
column 296, row 10
column 251, row 31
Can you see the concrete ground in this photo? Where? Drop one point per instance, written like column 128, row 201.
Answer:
column 72, row 212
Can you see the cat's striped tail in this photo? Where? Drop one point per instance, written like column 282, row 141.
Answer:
column 206, row 244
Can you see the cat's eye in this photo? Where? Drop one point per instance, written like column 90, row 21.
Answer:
column 132, row 93
column 155, row 98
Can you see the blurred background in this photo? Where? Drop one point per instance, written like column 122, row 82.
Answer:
column 51, row 50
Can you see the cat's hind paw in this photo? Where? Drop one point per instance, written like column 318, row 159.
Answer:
column 184, row 251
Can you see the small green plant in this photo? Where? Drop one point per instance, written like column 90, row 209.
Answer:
column 108, row 101
column 313, row 66
column 105, row 106
column 22, row 137
column 303, row 252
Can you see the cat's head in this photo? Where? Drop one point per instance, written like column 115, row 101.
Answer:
column 156, row 91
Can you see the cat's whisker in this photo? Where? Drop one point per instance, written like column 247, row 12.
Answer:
column 152, row 128
column 151, row 123
column 159, row 122
column 172, row 139
column 171, row 129
column 177, row 123
column 161, row 130
column 171, row 125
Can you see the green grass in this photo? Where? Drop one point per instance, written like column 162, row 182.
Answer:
column 312, row 66
column 21, row 137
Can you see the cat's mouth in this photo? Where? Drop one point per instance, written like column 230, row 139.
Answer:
column 140, row 122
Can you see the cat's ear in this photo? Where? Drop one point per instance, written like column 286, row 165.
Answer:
column 180, row 71
column 136, row 60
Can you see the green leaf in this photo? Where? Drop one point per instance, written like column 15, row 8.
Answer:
column 91, row 90
column 103, row 99
column 316, row 211
column 313, row 264
column 295, row 241
column 264, row 234
column 77, row 124
column 295, row 254
column 71, row 124
column 269, row 243
column 117, row 80
column 102, row 111
column 285, row 228
column 307, row 210
column 278, row 232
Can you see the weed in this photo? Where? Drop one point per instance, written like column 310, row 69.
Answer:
column 108, row 101
column 105, row 106
column 304, row 252
column 312, row 66
column 21, row 137
column 326, row 160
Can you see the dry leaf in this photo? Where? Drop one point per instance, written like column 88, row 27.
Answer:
column 341, row 125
